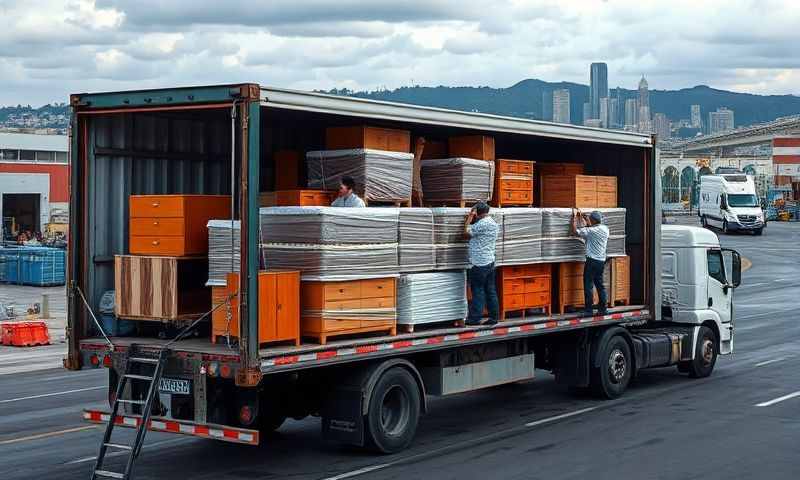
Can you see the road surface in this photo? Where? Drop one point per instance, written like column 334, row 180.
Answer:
column 742, row 422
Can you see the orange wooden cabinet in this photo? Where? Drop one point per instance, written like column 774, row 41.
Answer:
column 173, row 225
column 606, row 192
column 567, row 191
column 513, row 183
column 472, row 146
column 524, row 287
column 287, row 169
column 278, row 308
column 570, row 285
column 343, row 308
column 301, row 198
column 387, row 139
column 620, row 293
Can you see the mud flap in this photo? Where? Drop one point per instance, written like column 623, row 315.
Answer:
column 342, row 418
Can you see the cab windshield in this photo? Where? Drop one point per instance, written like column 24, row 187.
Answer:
column 742, row 200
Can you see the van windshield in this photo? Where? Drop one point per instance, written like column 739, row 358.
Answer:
column 742, row 200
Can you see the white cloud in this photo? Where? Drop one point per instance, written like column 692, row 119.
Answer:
column 50, row 48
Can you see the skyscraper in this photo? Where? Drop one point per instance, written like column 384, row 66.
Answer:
column 603, row 112
column 645, row 125
column 720, row 121
column 661, row 126
column 598, row 87
column 587, row 112
column 613, row 113
column 697, row 120
column 630, row 114
column 561, row 106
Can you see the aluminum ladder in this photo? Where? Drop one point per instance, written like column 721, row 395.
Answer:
column 136, row 370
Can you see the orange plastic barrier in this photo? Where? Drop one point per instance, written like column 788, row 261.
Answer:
column 24, row 334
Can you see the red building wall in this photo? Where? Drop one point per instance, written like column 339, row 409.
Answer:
column 59, row 177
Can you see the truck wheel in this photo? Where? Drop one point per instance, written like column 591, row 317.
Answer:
column 612, row 378
column 705, row 355
column 393, row 412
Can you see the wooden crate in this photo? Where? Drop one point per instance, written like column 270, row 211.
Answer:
column 287, row 169
column 472, row 146
column 570, row 285
column 620, row 292
column 548, row 168
column 278, row 308
column 524, row 287
column 168, row 289
column 173, row 225
column 513, row 183
column 301, row 198
column 434, row 149
column 568, row 191
column 387, row 139
column 606, row 192
column 332, row 309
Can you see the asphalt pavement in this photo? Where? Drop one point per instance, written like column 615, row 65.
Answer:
column 742, row 422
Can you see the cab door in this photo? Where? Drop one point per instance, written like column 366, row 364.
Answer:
column 720, row 292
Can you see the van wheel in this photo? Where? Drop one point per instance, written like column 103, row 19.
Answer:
column 705, row 355
column 394, row 410
column 611, row 379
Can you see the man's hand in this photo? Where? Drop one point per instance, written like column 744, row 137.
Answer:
column 468, row 221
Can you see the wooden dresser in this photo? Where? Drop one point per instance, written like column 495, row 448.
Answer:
column 523, row 287
column 606, row 192
column 620, row 293
column 480, row 147
column 386, row 139
column 297, row 198
column 174, row 225
column 343, row 308
column 568, row 191
column 278, row 308
column 513, row 183
column 570, row 285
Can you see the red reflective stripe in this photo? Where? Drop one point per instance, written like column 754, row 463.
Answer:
column 324, row 355
column 434, row 340
column 401, row 344
column 367, row 349
column 286, row 360
column 172, row 427
column 500, row 331
column 466, row 335
column 201, row 430
column 551, row 324
column 525, row 328
column 231, row 434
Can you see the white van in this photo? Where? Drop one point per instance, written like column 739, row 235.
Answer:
column 729, row 202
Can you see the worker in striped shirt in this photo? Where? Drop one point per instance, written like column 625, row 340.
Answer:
column 482, row 231
column 595, row 234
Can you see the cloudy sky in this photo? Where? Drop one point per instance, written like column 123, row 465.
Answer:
column 50, row 48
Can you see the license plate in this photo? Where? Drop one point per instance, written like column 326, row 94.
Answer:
column 174, row 386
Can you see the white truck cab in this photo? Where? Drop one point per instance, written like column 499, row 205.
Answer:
column 730, row 202
column 698, row 278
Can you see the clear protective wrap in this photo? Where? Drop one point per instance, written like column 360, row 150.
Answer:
column 558, row 242
column 380, row 176
column 328, row 225
column 521, row 239
column 415, row 234
column 451, row 248
column 456, row 179
column 431, row 297
column 333, row 262
column 224, row 240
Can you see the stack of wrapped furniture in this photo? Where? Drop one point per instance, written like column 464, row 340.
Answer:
column 328, row 243
column 380, row 176
column 614, row 219
column 224, row 239
column 459, row 181
column 431, row 298
column 558, row 243
column 416, row 243
column 451, row 246
column 520, row 242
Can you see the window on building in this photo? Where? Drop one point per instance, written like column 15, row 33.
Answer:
column 45, row 156
column 27, row 155
column 9, row 155
column 61, row 157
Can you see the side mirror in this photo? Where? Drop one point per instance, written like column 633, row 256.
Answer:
column 733, row 259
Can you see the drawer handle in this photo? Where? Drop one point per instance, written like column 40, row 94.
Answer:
column 155, row 242
column 155, row 223
column 341, row 290
column 155, row 204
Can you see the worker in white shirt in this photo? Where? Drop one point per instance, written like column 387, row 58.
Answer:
column 592, row 230
column 347, row 197
column 482, row 231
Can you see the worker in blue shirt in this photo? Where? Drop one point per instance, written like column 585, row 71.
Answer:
column 481, row 230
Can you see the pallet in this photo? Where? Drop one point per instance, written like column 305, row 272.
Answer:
column 411, row 328
column 451, row 203
column 521, row 313
column 388, row 203
column 322, row 337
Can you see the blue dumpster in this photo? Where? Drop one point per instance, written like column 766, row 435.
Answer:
column 43, row 266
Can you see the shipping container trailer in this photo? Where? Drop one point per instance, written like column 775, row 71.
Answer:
column 222, row 140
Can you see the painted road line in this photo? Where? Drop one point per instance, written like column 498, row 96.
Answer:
column 774, row 360
column 33, row 367
column 121, row 453
column 48, row 434
column 65, row 392
column 779, row 399
column 460, row 445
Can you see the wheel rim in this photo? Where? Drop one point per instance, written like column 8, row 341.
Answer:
column 395, row 411
column 617, row 366
column 707, row 351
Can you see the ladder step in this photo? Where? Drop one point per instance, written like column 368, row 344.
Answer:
column 152, row 361
column 118, row 446
column 107, row 474
column 138, row 377
column 132, row 402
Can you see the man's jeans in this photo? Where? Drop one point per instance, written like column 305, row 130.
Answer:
column 484, row 293
column 593, row 274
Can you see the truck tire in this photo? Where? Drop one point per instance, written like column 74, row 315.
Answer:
column 705, row 355
column 612, row 378
column 393, row 412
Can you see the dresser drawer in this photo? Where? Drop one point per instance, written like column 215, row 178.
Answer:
column 342, row 290
column 525, row 168
column 156, row 206
column 379, row 287
column 537, row 299
column 516, row 195
column 333, row 324
column 158, row 226
column 156, row 245
column 507, row 166
column 385, row 302
column 537, row 284
column 341, row 306
column 516, row 184
column 513, row 301
column 518, row 271
column 514, row 286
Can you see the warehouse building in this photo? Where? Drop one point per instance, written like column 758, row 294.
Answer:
column 34, row 179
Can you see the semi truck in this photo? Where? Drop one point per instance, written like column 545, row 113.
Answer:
column 367, row 391
column 729, row 202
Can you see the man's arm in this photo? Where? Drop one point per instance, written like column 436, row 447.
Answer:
column 574, row 223
column 468, row 222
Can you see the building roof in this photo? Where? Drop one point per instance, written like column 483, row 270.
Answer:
column 30, row 141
